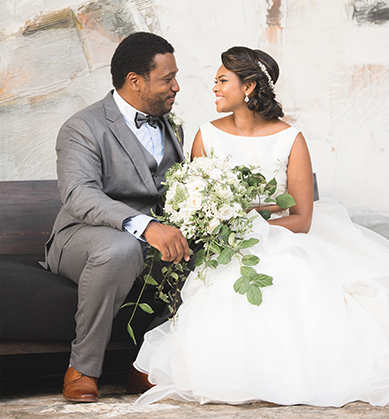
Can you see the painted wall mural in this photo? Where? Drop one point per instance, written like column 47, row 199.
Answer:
column 334, row 84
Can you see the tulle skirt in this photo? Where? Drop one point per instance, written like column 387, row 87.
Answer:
column 320, row 336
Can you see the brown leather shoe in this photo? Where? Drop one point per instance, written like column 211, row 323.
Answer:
column 78, row 387
column 137, row 382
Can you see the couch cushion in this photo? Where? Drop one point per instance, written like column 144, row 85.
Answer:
column 37, row 305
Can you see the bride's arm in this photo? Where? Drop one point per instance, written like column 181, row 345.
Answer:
column 300, row 186
column 197, row 146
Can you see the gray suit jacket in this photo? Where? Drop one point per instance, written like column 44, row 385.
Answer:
column 103, row 176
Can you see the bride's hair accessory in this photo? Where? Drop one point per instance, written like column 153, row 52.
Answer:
column 246, row 99
column 264, row 70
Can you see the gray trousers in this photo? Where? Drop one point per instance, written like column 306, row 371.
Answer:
column 104, row 262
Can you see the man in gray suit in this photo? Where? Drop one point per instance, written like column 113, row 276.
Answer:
column 112, row 157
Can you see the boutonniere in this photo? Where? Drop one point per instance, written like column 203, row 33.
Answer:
column 175, row 122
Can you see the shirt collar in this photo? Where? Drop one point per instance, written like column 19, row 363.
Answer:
column 125, row 108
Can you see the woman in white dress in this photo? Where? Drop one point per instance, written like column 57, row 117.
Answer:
column 321, row 334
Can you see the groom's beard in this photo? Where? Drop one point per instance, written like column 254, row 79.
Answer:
column 158, row 104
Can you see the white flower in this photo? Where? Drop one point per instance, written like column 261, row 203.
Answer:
column 215, row 174
column 225, row 192
column 226, row 212
column 193, row 203
column 213, row 224
column 195, row 185
column 168, row 207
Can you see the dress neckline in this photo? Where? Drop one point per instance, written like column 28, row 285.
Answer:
column 245, row 136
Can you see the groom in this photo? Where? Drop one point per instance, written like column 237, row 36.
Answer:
column 112, row 157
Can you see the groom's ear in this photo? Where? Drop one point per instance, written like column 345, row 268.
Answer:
column 133, row 81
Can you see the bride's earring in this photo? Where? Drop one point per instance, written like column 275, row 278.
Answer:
column 246, row 99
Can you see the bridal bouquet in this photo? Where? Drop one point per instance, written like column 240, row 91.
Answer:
column 208, row 202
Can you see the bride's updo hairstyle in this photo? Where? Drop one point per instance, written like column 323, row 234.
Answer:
column 255, row 65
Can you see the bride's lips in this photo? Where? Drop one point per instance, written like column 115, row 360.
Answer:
column 218, row 98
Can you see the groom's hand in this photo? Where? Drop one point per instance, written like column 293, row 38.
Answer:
column 168, row 240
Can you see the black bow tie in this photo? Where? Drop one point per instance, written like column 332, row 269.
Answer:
column 141, row 119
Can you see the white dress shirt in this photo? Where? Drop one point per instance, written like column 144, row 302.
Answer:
column 151, row 139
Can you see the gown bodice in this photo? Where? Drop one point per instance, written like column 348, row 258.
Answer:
column 270, row 153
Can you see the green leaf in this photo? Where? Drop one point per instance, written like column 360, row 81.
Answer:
column 146, row 308
column 199, row 257
column 262, row 280
column 174, row 276
column 241, row 285
column 225, row 256
column 127, row 305
column 217, row 229
column 213, row 264
column 231, row 239
column 131, row 333
column 225, row 233
column 150, row 280
column 163, row 297
column 266, row 214
column 254, row 295
column 285, row 201
column 250, row 260
column 248, row 243
column 250, row 273
column 214, row 248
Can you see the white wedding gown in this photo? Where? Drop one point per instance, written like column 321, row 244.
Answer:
column 321, row 335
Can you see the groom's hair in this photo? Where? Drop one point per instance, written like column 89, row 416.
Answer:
column 136, row 53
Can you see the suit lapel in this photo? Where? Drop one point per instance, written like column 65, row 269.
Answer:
column 177, row 144
column 129, row 142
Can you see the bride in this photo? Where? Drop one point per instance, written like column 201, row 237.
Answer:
column 321, row 335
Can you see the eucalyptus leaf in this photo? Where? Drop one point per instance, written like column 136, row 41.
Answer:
column 225, row 233
column 241, row 285
column 266, row 214
column 254, row 295
column 213, row 247
column 262, row 280
column 213, row 264
column 250, row 273
column 231, row 239
column 250, row 260
column 248, row 243
column 285, row 201
column 217, row 229
column 225, row 256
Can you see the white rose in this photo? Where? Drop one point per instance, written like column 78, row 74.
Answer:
column 215, row 174
column 168, row 207
column 213, row 224
column 193, row 203
column 196, row 186
column 224, row 192
column 226, row 212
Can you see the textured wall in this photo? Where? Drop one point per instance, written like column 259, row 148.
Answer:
column 334, row 85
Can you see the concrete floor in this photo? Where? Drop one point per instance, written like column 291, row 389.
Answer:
column 40, row 398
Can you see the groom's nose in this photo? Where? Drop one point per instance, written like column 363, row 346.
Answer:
column 175, row 86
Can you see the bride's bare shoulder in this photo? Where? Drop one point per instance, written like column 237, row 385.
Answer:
column 222, row 123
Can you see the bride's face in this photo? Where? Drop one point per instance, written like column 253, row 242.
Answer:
column 229, row 91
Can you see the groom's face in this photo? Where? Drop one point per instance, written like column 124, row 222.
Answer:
column 158, row 91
